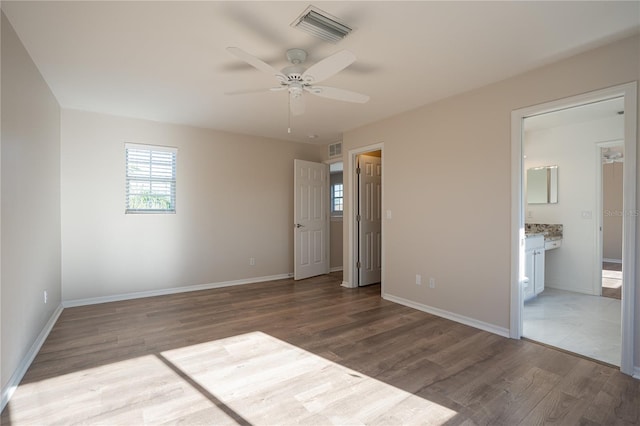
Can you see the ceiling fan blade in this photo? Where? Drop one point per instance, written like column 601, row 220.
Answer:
column 296, row 104
column 328, row 67
column 246, row 91
column 337, row 94
column 256, row 62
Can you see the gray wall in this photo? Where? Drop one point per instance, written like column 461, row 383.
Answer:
column 30, row 219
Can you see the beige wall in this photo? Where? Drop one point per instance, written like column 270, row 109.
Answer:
column 573, row 149
column 612, row 206
column 30, row 226
column 234, row 201
column 447, row 177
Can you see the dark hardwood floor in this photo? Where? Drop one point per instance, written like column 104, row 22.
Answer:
column 308, row 352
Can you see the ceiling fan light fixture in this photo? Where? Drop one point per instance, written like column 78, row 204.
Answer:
column 321, row 25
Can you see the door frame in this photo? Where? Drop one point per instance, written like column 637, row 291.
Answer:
column 629, row 92
column 597, row 284
column 350, row 272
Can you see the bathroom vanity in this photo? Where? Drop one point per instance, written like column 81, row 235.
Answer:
column 534, row 265
column 540, row 239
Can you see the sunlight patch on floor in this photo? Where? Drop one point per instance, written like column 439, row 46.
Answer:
column 140, row 390
column 248, row 379
column 611, row 279
column 268, row 381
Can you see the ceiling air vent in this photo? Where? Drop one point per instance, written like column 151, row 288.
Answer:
column 335, row 149
column 321, row 25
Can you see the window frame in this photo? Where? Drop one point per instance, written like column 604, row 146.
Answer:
column 334, row 212
column 151, row 179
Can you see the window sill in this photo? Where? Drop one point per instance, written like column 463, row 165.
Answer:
column 150, row 212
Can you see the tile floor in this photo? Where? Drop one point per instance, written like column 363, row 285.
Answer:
column 587, row 325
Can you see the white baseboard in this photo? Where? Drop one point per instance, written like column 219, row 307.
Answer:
column 636, row 373
column 346, row 284
column 19, row 373
column 556, row 286
column 335, row 269
column 612, row 260
column 504, row 332
column 166, row 291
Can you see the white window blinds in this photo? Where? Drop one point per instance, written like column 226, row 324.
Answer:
column 151, row 179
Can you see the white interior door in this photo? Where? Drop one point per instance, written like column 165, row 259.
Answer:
column 311, row 219
column 369, row 219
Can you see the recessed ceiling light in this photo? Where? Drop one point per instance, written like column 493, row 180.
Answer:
column 312, row 136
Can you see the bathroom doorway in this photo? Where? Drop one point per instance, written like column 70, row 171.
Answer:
column 581, row 212
column 566, row 310
column 610, row 185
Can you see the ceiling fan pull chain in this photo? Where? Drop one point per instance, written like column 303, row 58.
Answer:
column 289, row 113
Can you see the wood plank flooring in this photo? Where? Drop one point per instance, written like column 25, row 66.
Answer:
column 308, row 352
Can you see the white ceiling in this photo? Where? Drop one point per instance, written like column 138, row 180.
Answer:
column 167, row 61
column 579, row 114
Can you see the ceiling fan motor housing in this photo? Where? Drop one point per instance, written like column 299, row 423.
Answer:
column 296, row 56
column 294, row 72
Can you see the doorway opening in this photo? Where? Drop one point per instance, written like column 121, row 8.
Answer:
column 368, row 210
column 364, row 218
column 610, row 185
column 580, row 200
column 336, row 209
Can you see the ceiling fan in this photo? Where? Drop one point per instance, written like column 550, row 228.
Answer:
column 296, row 79
column 611, row 156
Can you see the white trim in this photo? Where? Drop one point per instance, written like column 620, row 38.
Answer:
column 605, row 259
column 166, row 291
column 19, row 373
column 517, row 226
column 349, row 174
column 636, row 373
column 332, row 160
column 335, row 269
column 629, row 91
column 346, row 284
column 133, row 145
column 629, row 206
column 500, row 331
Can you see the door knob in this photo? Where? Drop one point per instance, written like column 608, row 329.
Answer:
column 297, row 225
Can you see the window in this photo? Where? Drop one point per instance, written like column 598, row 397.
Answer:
column 336, row 189
column 336, row 199
column 151, row 179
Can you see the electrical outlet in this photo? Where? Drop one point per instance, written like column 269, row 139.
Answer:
column 45, row 296
column 252, row 261
column 418, row 279
column 432, row 283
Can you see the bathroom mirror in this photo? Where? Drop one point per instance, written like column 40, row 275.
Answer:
column 542, row 185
